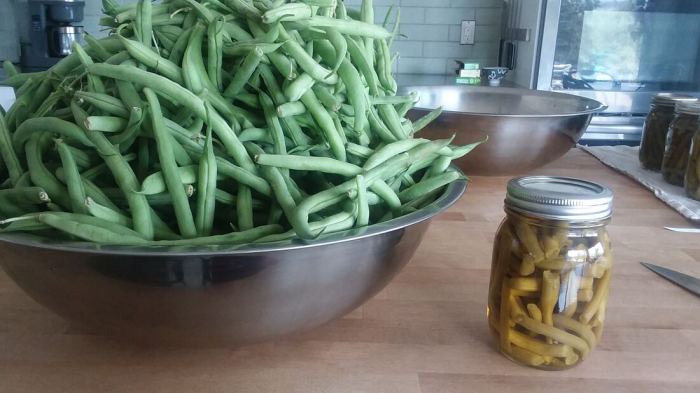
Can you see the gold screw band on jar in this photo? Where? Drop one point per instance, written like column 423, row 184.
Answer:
column 551, row 271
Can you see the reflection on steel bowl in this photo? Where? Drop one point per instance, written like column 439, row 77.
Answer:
column 205, row 296
column 526, row 128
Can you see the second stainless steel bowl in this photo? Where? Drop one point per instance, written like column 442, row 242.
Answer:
column 526, row 128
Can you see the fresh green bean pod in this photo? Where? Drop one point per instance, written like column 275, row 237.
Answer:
column 206, row 184
column 181, row 206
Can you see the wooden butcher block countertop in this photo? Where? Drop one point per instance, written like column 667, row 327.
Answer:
column 426, row 332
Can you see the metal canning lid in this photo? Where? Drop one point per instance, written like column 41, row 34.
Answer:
column 688, row 108
column 559, row 198
column 671, row 99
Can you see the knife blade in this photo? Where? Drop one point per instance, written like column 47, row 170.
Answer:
column 689, row 283
column 684, row 230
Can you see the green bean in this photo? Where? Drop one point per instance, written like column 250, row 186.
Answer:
column 384, row 63
column 319, row 164
column 215, row 41
column 299, row 218
column 306, row 62
column 131, row 13
column 428, row 185
column 358, row 150
column 143, row 25
column 390, row 150
column 179, row 47
column 40, row 95
column 245, row 8
column 201, row 10
column 192, row 64
column 24, row 195
column 9, row 68
column 105, row 123
column 9, row 156
column 346, row 26
column 105, row 213
column 291, row 109
column 25, row 225
column 244, row 208
column 295, row 90
column 234, row 238
column 288, row 12
column 76, row 192
column 104, row 102
column 143, row 54
column 326, row 124
column 168, row 88
column 367, row 16
column 362, row 204
column 244, row 72
column 127, row 182
column 206, row 197
column 181, row 206
column 119, row 58
column 348, row 73
column 273, row 124
column 98, row 50
column 91, row 228
column 330, row 101
column 38, row 172
column 236, row 32
column 427, row 119
column 377, row 125
column 94, row 82
column 131, row 131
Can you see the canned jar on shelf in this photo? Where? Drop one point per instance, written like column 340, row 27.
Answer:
column 680, row 136
column 551, row 271
column 661, row 113
column 692, row 173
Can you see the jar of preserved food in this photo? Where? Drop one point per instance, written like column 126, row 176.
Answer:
column 551, row 271
column 692, row 173
column 661, row 113
column 680, row 136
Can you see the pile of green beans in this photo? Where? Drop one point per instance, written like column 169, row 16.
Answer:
column 200, row 122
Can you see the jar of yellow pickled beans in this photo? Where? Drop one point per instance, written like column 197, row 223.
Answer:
column 661, row 113
column 551, row 271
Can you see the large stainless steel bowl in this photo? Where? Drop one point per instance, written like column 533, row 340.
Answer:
column 216, row 295
column 526, row 128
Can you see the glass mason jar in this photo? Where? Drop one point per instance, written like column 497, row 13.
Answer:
column 692, row 173
column 551, row 271
column 661, row 113
column 680, row 136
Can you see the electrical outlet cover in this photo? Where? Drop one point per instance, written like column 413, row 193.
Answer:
column 467, row 36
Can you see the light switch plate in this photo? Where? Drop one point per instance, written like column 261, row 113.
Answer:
column 467, row 36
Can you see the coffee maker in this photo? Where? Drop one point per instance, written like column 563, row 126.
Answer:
column 52, row 31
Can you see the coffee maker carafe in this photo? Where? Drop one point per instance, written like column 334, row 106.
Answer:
column 52, row 32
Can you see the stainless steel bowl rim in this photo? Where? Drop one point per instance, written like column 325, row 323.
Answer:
column 598, row 106
column 452, row 193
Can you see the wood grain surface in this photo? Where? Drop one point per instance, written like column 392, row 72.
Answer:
column 426, row 332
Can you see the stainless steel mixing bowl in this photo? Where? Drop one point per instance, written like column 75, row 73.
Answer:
column 216, row 295
column 526, row 128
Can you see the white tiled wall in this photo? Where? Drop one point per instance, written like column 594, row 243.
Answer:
column 431, row 27
column 432, row 30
